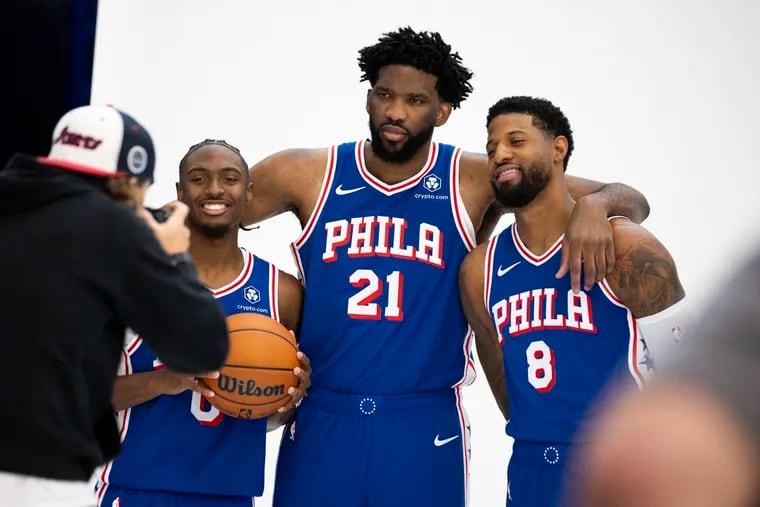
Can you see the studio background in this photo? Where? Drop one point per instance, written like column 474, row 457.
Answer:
column 661, row 95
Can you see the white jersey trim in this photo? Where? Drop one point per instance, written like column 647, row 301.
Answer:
column 390, row 189
column 242, row 277
column 529, row 256
column 634, row 350
column 274, row 292
column 461, row 217
column 324, row 192
column 488, row 281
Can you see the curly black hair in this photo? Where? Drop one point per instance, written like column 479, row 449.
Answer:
column 207, row 142
column 425, row 51
column 546, row 116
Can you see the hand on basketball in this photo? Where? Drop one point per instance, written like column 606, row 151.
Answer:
column 587, row 245
column 304, row 382
column 173, row 382
column 173, row 234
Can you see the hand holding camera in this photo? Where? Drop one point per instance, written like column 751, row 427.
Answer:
column 172, row 233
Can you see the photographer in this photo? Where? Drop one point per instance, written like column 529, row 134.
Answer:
column 81, row 261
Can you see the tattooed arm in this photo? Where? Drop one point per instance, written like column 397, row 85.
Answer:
column 645, row 276
column 471, row 289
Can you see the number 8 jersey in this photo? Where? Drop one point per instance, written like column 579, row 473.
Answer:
column 380, row 262
column 560, row 349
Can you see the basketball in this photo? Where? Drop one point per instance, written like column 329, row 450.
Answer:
column 258, row 372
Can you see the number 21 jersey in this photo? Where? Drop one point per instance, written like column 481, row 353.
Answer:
column 380, row 262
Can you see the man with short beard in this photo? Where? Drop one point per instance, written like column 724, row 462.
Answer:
column 386, row 223
column 550, row 347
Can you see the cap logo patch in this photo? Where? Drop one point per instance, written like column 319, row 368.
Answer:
column 137, row 159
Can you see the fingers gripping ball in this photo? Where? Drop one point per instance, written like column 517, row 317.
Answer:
column 258, row 372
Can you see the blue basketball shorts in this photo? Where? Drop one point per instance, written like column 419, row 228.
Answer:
column 375, row 450
column 538, row 474
column 110, row 495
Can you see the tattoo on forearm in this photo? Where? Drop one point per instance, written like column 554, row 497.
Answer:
column 647, row 278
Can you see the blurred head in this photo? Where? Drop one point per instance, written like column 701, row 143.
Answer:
column 107, row 143
column 215, row 184
column 416, row 81
column 528, row 139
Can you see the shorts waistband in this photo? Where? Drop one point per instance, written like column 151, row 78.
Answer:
column 539, row 453
column 376, row 404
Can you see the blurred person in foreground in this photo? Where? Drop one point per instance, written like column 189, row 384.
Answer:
column 692, row 438
column 81, row 261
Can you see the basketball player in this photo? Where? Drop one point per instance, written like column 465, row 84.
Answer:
column 386, row 223
column 80, row 262
column 178, row 449
column 692, row 438
column 550, row 348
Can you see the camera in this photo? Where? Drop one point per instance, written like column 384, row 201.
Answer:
column 159, row 214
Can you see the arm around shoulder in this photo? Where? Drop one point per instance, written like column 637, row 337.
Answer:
column 279, row 182
column 617, row 198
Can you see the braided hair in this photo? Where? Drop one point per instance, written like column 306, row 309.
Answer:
column 425, row 51
column 207, row 142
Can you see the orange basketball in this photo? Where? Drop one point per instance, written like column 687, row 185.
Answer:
column 258, row 371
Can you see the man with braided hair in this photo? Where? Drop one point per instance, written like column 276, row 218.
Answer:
column 178, row 449
column 386, row 223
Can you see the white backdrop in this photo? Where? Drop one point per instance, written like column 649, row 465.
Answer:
column 661, row 94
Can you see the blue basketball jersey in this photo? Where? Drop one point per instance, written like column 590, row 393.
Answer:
column 560, row 349
column 181, row 443
column 380, row 262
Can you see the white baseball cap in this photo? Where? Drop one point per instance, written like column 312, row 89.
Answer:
column 102, row 141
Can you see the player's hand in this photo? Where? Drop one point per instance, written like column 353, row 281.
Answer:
column 172, row 382
column 173, row 234
column 587, row 244
column 304, row 382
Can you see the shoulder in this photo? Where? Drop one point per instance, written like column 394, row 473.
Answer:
column 628, row 235
column 301, row 159
column 473, row 264
column 289, row 284
column 290, row 300
column 473, row 163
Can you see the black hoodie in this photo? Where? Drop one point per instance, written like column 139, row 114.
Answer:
column 76, row 269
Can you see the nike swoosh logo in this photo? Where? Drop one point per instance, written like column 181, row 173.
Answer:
column 445, row 441
column 344, row 191
column 504, row 271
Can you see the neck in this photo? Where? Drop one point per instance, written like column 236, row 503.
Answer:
column 218, row 260
column 545, row 219
column 394, row 172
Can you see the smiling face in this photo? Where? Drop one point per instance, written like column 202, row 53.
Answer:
column 215, row 186
column 404, row 108
column 519, row 159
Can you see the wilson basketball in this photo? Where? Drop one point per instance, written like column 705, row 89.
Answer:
column 258, row 371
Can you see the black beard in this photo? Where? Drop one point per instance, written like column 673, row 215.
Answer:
column 413, row 144
column 532, row 182
column 210, row 231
